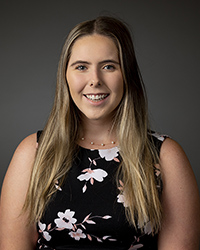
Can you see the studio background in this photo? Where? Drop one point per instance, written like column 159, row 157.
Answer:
column 166, row 37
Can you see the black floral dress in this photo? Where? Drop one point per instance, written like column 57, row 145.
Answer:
column 87, row 211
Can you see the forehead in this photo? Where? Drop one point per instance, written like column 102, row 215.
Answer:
column 94, row 46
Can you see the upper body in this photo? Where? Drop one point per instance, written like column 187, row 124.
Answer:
column 100, row 98
column 88, row 209
column 180, row 200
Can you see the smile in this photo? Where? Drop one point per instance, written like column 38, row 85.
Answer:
column 96, row 97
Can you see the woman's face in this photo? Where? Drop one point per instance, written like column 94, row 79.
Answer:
column 94, row 77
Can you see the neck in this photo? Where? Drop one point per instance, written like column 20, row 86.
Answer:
column 98, row 132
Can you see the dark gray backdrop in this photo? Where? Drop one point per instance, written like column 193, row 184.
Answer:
column 167, row 40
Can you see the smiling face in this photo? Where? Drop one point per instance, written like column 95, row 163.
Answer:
column 94, row 77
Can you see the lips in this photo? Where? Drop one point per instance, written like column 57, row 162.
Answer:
column 96, row 97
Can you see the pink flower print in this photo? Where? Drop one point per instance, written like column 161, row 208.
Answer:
column 65, row 219
column 109, row 154
column 77, row 235
column 45, row 234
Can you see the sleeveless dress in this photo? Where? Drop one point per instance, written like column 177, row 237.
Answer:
column 87, row 211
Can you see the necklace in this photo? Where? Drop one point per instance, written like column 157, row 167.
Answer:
column 102, row 144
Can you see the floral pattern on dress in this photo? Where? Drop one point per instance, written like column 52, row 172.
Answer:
column 109, row 154
column 121, row 197
column 44, row 232
column 81, row 230
column 137, row 244
column 135, row 247
column 98, row 174
column 77, row 235
column 77, row 231
column 65, row 220
column 92, row 174
column 57, row 185
column 160, row 137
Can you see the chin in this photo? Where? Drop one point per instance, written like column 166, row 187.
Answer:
column 96, row 117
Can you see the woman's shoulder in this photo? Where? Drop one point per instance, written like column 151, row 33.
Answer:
column 172, row 152
column 173, row 159
column 22, row 160
column 180, row 198
column 26, row 149
column 13, row 194
column 28, row 144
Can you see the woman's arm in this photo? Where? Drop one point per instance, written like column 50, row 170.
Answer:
column 14, row 232
column 180, row 200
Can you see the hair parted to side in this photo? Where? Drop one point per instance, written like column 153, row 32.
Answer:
column 58, row 143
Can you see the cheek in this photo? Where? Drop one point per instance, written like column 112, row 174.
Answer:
column 75, row 83
column 119, row 87
column 119, row 90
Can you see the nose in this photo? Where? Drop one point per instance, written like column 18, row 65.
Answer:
column 95, row 79
column 95, row 83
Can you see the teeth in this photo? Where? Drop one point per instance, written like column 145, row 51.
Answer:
column 96, row 97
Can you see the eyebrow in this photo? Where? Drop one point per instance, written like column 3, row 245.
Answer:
column 85, row 62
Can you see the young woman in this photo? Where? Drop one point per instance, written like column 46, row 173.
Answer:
column 97, row 177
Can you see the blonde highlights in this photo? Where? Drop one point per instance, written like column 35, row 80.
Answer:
column 58, row 143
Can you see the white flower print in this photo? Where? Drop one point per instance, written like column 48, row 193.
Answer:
column 97, row 174
column 89, row 219
column 90, row 174
column 42, row 227
column 159, row 136
column 121, row 199
column 65, row 219
column 57, row 185
column 77, row 235
column 109, row 154
column 148, row 228
column 135, row 247
column 74, row 228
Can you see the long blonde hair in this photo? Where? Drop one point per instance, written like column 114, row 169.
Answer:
column 58, row 143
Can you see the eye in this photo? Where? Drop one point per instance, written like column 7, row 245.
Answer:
column 109, row 67
column 81, row 67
